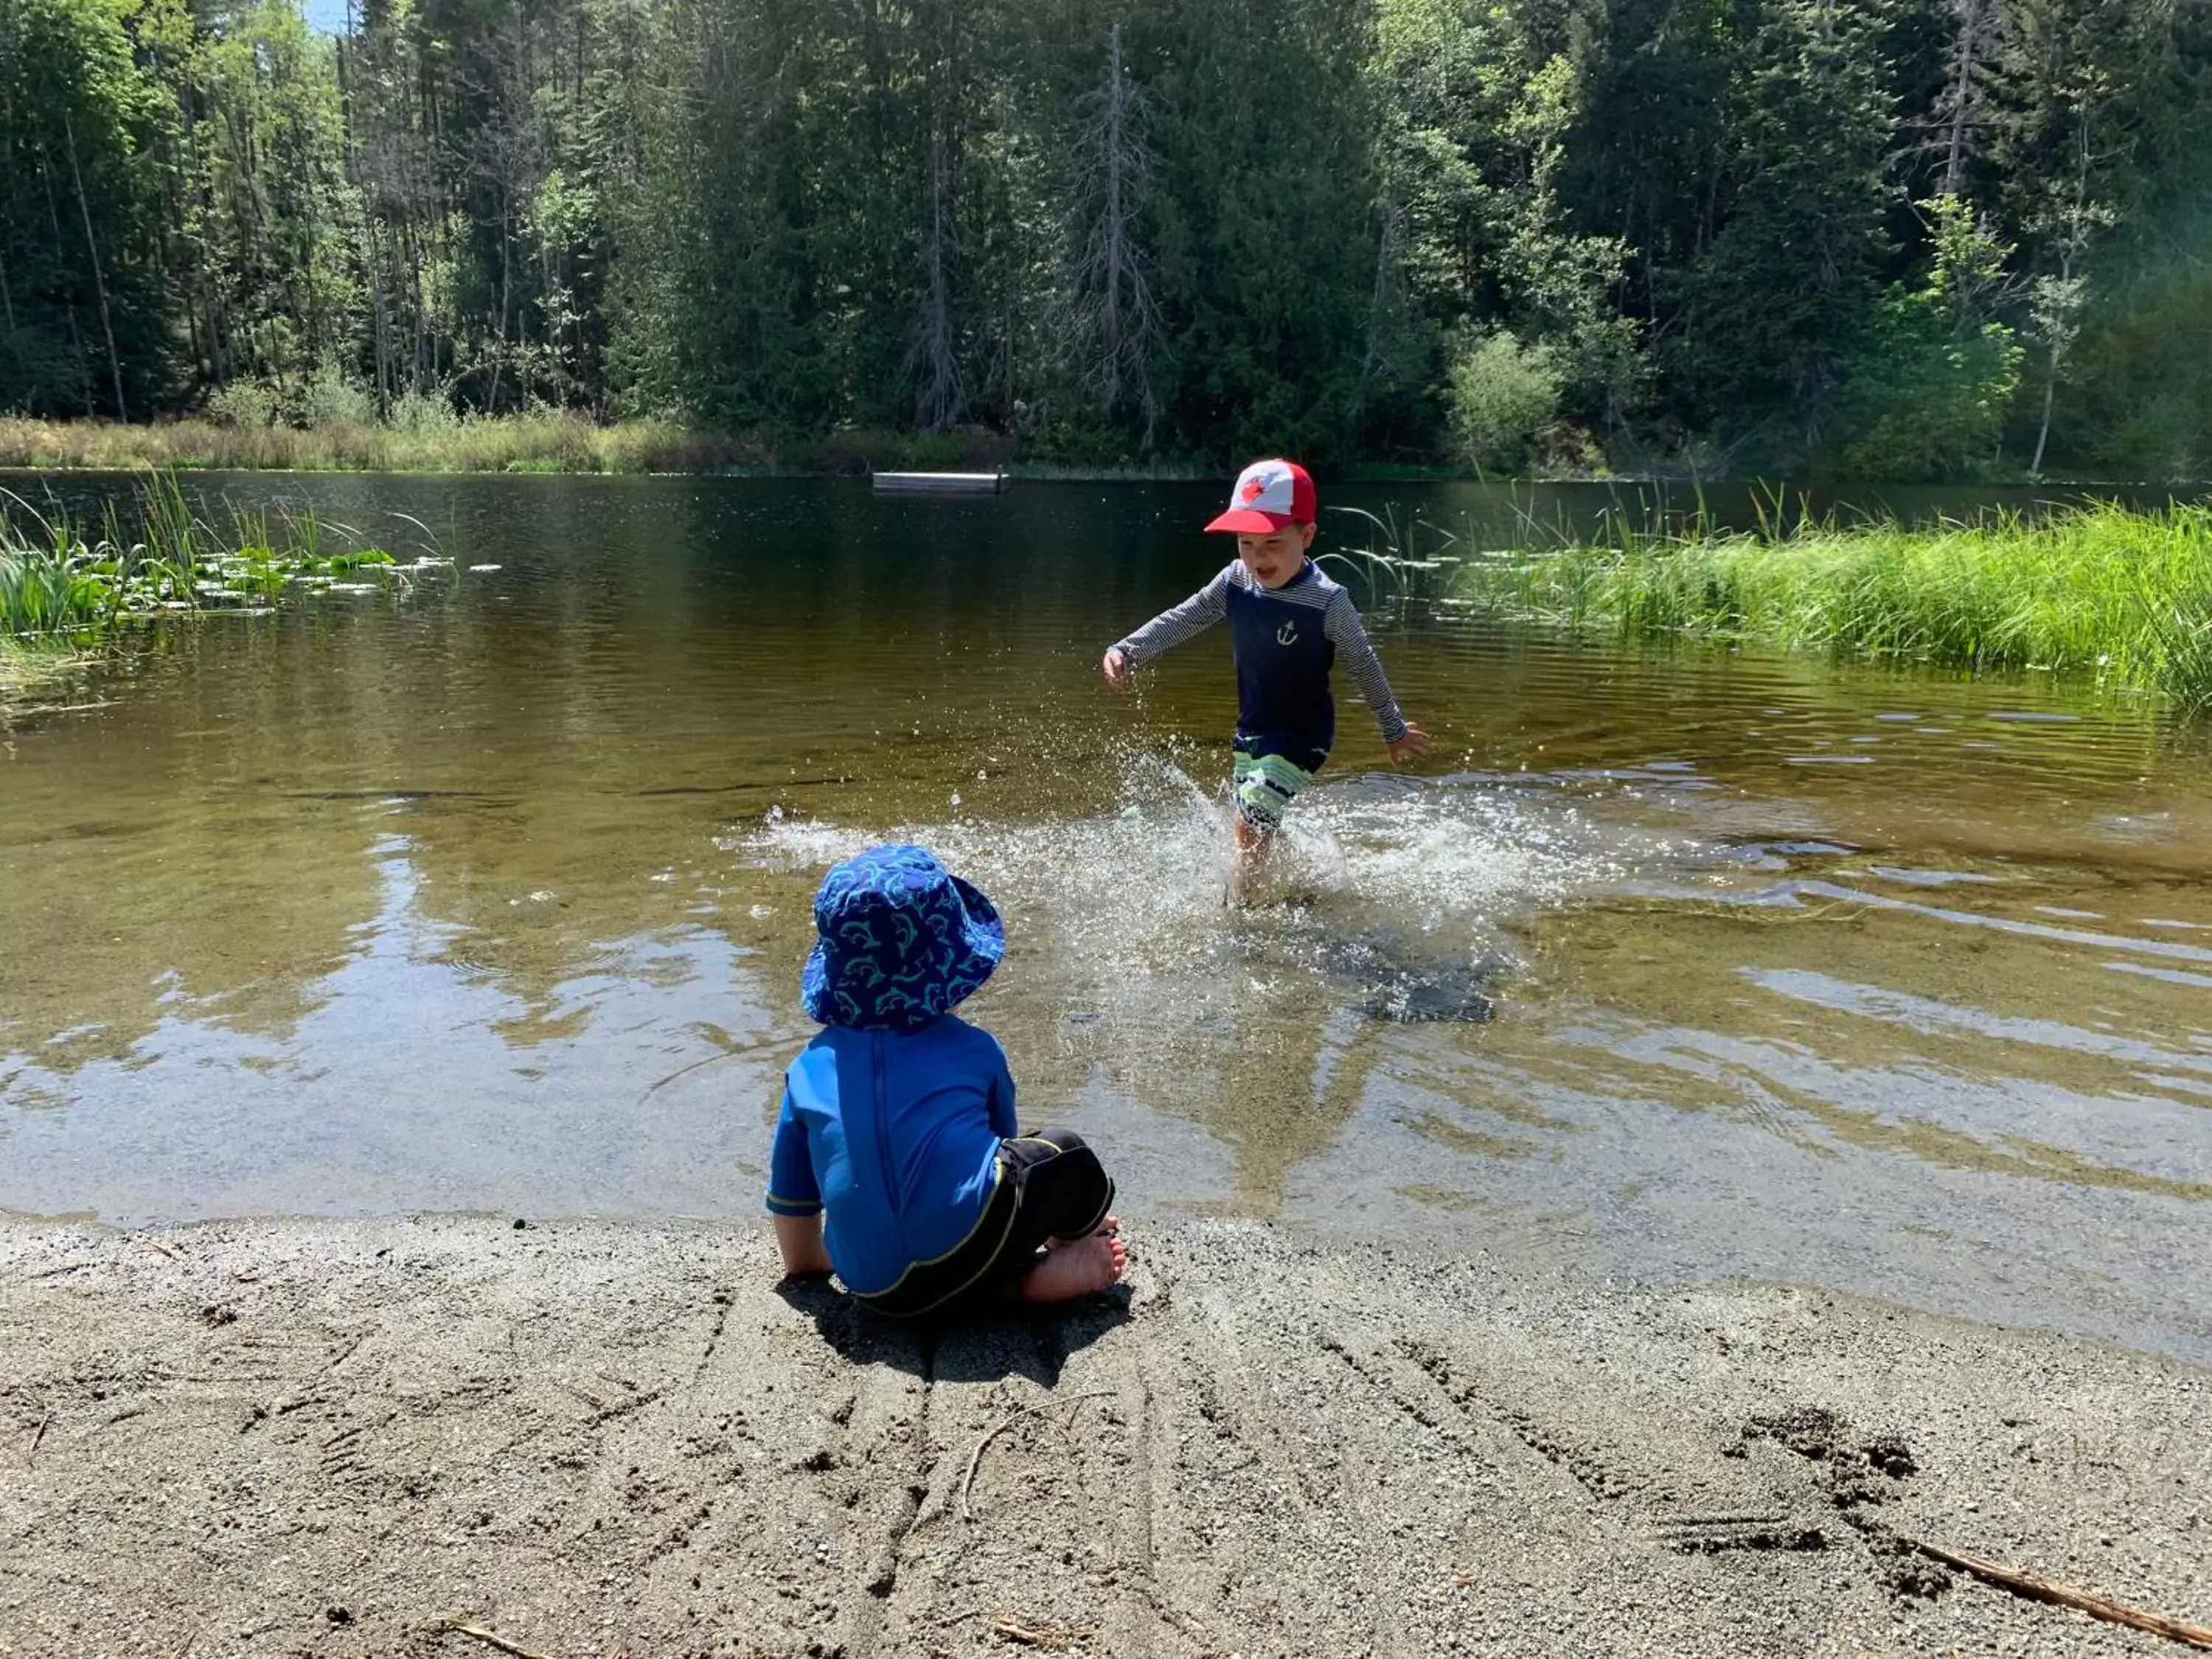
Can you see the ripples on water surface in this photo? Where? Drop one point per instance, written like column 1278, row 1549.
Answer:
column 495, row 897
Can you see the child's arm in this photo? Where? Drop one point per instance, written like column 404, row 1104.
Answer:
column 1004, row 1122
column 1341, row 623
column 1169, row 628
column 799, row 1238
column 794, row 1197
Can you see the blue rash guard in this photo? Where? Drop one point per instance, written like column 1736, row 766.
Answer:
column 893, row 1137
column 1285, row 640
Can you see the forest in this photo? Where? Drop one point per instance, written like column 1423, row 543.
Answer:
column 1856, row 239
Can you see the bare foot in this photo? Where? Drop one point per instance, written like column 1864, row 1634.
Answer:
column 1112, row 1223
column 1077, row 1266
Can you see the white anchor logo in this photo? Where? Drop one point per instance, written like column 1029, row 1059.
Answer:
column 1287, row 634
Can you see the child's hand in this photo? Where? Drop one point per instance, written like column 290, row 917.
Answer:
column 1415, row 742
column 1117, row 669
column 799, row 1237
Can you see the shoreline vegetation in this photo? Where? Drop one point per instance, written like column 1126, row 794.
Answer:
column 2102, row 592
column 565, row 443
column 2098, row 591
column 550, row 441
column 67, row 588
column 560, row 442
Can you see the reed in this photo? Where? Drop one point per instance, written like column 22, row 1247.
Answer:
column 63, row 585
column 2097, row 590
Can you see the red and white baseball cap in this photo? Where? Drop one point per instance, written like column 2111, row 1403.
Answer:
column 1268, row 495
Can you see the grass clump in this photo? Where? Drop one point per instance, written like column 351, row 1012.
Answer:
column 2097, row 590
column 64, row 586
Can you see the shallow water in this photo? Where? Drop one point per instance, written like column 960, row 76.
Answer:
column 493, row 896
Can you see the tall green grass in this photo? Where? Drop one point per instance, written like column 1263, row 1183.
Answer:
column 63, row 583
column 52, row 592
column 2098, row 591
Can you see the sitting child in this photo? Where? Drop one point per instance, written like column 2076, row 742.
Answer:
column 897, row 1164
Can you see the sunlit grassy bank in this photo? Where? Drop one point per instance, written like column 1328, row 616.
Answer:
column 2101, row 591
column 517, row 443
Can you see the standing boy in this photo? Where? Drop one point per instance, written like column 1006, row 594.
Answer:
column 1287, row 623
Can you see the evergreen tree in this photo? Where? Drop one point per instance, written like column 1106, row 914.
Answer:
column 1914, row 237
column 1776, row 305
column 83, row 311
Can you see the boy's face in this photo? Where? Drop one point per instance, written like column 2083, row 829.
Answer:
column 1276, row 557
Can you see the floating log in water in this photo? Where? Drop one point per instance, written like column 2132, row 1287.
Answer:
column 939, row 483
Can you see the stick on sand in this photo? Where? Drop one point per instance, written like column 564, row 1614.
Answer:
column 1049, row 1636
column 2065, row 1596
column 976, row 1457
column 492, row 1641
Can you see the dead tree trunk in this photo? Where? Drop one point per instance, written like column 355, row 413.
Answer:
column 1115, row 321
column 76, row 333
column 506, row 294
column 2061, row 302
column 1958, row 108
column 1376, row 362
column 938, row 401
column 98, row 277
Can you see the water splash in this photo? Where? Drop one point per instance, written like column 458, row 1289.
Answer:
column 1396, row 896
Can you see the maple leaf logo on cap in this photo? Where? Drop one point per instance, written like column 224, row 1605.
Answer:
column 1268, row 495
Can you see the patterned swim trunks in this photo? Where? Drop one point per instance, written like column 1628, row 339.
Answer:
column 1265, row 784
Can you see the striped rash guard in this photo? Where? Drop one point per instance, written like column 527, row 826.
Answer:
column 1285, row 640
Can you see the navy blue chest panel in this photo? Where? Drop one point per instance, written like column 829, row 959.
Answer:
column 1283, row 661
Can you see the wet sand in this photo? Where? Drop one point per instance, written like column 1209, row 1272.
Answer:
column 350, row 1438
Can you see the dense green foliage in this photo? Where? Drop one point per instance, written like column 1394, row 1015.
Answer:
column 2095, row 591
column 1891, row 238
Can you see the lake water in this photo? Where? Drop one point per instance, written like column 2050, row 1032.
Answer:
column 492, row 895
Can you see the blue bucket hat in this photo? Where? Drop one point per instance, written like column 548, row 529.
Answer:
column 903, row 940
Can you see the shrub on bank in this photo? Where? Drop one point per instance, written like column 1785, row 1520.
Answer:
column 2100, row 591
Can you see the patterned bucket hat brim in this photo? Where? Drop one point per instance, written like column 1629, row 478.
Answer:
column 903, row 940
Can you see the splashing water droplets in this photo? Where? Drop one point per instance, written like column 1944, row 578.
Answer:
column 1393, row 896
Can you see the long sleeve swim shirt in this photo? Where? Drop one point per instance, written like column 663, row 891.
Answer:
column 893, row 1138
column 1285, row 640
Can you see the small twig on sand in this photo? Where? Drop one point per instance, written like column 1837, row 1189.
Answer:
column 37, row 1439
column 165, row 1248
column 2063, row 1596
column 976, row 1457
column 491, row 1641
column 1041, row 1636
column 1173, row 1616
column 958, row 1619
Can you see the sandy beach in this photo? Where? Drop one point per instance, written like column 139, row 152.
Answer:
column 589, row 1440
